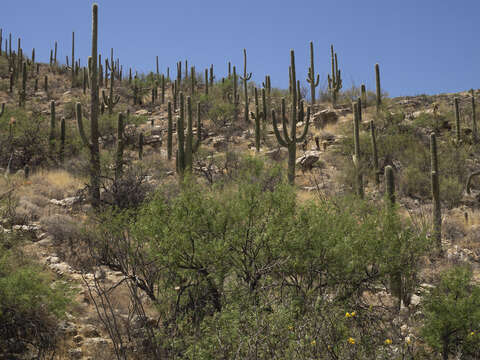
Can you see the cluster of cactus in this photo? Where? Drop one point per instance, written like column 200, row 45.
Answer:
column 186, row 146
column 291, row 140
column 335, row 79
column 110, row 101
column 311, row 75
column 245, row 78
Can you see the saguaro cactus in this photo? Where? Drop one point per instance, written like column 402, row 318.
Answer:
column 93, row 143
column 234, row 98
column 375, row 153
column 474, row 118
column 290, row 141
column 257, row 117
column 52, row 126
column 356, row 140
column 181, row 138
column 61, row 152
column 390, row 185
column 335, row 79
column 110, row 101
column 120, row 147
column 23, row 92
column 73, row 59
column 458, row 130
column 364, row 96
column 311, row 75
column 437, row 211
column 246, row 76
column 206, row 81
column 169, row 131
column 379, row 90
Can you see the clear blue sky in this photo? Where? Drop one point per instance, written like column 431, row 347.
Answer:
column 422, row 46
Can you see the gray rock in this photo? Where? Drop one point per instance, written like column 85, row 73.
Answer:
column 90, row 331
column 307, row 160
column 75, row 353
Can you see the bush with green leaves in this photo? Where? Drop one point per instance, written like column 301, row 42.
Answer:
column 452, row 315
column 242, row 264
column 30, row 305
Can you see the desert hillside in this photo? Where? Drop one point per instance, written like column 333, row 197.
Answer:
column 195, row 214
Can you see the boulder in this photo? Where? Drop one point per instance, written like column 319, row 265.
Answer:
column 324, row 117
column 307, row 160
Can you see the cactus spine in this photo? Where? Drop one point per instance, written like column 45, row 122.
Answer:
column 93, row 144
column 377, row 81
column 375, row 153
column 246, row 76
column 457, row 121
column 120, row 147
column 257, row 116
column 169, row 131
column 335, row 80
column 297, row 115
column 311, row 75
column 357, row 118
column 474, row 118
column 435, row 183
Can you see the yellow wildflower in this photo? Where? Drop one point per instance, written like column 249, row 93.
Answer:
column 408, row 340
column 313, row 342
column 347, row 315
column 353, row 313
column 290, row 327
column 351, row 340
column 472, row 333
column 388, row 341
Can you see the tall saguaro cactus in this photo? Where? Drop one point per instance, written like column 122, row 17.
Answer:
column 458, row 130
column 379, row 90
column 169, row 131
column 93, row 144
column 375, row 153
column 73, row 59
column 234, row 98
column 435, row 182
column 246, row 76
column 357, row 118
column 335, row 79
column 311, row 75
column 474, row 118
column 291, row 140
column 51, row 137
column 258, row 116
column 120, row 147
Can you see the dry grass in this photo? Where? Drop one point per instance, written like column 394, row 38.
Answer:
column 53, row 184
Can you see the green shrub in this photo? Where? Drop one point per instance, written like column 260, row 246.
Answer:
column 452, row 315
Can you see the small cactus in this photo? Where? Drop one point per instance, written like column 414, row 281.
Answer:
column 390, row 185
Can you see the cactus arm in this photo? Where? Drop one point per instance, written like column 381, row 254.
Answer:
column 81, row 130
column 284, row 122
column 105, row 98
column 275, row 130
column 307, row 125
